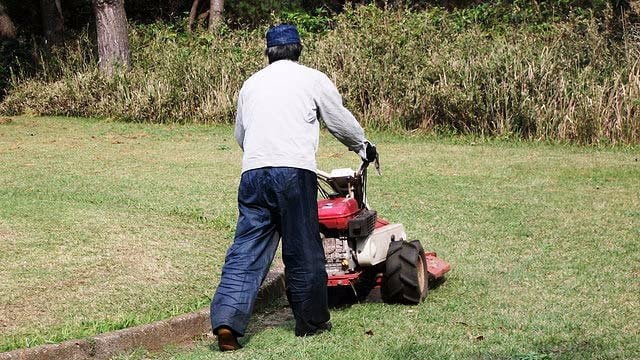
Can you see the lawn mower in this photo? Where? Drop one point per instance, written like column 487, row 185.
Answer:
column 364, row 251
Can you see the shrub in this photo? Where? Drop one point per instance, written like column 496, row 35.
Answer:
column 416, row 70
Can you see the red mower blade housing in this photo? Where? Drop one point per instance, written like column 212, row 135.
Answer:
column 436, row 266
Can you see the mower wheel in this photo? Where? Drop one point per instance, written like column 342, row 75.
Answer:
column 406, row 278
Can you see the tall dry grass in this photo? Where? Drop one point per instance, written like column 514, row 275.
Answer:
column 570, row 81
column 397, row 70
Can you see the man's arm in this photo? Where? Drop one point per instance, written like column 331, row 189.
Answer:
column 239, row 129
column 339, row 120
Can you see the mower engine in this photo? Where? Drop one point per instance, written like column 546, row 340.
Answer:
column 343, row 225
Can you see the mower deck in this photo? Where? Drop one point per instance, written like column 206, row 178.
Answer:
column 436, row 267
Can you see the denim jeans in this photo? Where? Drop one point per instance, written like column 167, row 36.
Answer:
column 274, row 202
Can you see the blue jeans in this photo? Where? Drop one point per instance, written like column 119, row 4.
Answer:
column 274, row 202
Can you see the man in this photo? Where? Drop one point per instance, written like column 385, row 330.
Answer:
column 277, row 128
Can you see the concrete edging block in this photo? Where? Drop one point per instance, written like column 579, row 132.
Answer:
column 151, row 337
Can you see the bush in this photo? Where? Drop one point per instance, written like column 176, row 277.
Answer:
column 397, row 69
column 421, row 70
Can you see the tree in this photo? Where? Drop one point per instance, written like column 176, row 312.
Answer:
column 113, row 41
column 215, row 14
column 52, row 21
column 193, row 14
column 7, row 29
column 8, row 45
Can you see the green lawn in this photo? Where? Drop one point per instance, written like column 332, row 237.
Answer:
column 105, row 224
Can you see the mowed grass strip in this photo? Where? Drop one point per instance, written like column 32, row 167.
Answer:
column 104, row 225
column 107, row 225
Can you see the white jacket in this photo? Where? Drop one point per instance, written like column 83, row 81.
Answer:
column 277, row 118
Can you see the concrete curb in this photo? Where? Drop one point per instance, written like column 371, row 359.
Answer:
column 151, row 337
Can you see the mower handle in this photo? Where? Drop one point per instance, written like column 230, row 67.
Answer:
column 325, row 176
column 363, row 168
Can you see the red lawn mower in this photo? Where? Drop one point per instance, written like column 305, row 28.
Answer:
column 364, row 251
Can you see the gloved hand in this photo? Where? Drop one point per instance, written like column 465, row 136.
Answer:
column 371, row 152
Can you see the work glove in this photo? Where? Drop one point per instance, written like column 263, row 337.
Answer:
column 371, row 152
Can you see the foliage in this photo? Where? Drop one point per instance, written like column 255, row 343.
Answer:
column 255, row 13
column 427, row 70
column 308, row 24
column 571, row 80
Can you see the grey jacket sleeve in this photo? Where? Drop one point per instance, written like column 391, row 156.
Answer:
column 340, row 122
column 239, row 129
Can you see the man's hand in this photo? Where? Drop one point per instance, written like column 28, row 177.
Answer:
column 372, row 153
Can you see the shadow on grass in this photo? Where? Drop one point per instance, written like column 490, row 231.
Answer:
column 365, row 292
column 574, row 349
column 275, row 315
column 540, row 350
column 278, row 314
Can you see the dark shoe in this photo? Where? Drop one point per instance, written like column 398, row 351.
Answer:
column 227, row 340
column 324, row 327
column 319, row 330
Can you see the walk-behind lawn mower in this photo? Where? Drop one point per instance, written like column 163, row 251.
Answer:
column 364, row 251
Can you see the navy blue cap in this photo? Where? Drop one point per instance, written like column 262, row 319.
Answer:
column 282, row 35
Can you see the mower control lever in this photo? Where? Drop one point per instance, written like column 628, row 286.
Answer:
column 365, row 164
column 377, row 164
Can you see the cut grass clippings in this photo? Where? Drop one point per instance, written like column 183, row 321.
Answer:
column 105, row 225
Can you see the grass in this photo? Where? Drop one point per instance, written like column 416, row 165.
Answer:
column 105, row 225
column 108, row 224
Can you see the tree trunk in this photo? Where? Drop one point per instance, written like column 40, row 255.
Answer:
column 52, row 21
column 215, row 14
column 113, row 42
column 7, row 30
column 192, row 14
